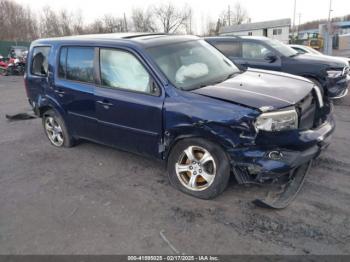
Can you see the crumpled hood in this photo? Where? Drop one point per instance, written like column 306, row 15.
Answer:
column 260, row 89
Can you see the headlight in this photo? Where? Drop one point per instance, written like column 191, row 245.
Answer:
column 277, row 121
column 334, row 73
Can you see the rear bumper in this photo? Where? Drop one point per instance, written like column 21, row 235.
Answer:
column 264, row 162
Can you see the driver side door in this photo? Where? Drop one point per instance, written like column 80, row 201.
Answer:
column 256, row 55
column 129, row 103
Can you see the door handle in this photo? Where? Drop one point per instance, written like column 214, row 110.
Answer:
column 60, row 92
column 105, row 104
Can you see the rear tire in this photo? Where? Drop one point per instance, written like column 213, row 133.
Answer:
column 56, row 129
column 199, row 168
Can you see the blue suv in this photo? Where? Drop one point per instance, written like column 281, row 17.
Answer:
column 178, row 99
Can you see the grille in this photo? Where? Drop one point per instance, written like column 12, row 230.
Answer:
column 307, row 110
column 311, row 115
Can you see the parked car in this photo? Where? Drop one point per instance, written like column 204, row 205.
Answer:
column 331, row 74
column 178, row 99
column 302, row 49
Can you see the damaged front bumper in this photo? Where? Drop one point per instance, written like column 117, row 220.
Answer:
column 277, row 154
column 338, row 88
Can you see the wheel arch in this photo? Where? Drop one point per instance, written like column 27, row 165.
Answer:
column 48, row 103
column 173, row 137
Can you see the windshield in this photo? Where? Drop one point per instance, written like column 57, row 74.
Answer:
column 192, row 64
column 282, row 48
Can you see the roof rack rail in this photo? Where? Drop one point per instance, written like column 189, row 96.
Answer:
column 222, row 36
column 144, row 34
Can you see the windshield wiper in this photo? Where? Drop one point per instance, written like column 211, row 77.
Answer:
column 231, row 75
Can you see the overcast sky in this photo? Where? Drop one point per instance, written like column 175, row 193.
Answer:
column 258, row 10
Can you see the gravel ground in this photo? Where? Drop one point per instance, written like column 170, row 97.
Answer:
column 93, row 199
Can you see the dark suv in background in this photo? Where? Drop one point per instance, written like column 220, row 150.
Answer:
column 330, row 73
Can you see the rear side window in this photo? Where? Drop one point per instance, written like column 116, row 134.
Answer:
column 40, row 62
column 77, row 64
column 233, row 49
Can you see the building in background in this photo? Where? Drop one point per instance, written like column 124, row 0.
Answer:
column 275, row 29
column 340, row 32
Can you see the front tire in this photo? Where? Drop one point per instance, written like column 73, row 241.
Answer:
column 199, row 168
column 56, row 129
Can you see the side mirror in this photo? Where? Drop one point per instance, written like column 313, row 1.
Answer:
column 155, row 90
column 270, row 57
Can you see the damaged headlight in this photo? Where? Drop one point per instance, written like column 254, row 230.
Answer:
column 335, row 73
column 277, row 120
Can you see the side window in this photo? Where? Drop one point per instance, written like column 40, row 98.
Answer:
column 120, row 69
column 277, row 31
column 233, row 49
column 80, row 64
column 299, row 50
column 255, row 51
column 40, row 63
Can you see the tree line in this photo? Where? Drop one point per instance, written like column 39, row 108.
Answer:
column 19, row 23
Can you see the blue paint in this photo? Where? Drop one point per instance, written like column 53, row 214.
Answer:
column 151, row 124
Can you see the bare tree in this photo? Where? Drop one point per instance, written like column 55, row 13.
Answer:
column 77, row 23
column 113, row 24
column 17, row 23
column 95, row 27
column 65, row 22
column 235, row 16
column 143, row 21
column 170, row 18
column 212, row 28
column 49, row 23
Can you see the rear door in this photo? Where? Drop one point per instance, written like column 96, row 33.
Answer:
column 129, row 103
column 74, row 88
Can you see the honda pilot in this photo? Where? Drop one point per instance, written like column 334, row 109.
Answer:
column 178, row 99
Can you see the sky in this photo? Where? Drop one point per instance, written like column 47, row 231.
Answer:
column 204, row 10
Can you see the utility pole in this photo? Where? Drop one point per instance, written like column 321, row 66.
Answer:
column 329, row 39
column 330, row 11
column 299, row 22
column 295, row 10
column 125, row 24
column 229, row 15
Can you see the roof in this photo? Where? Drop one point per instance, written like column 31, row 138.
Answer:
column 143, row 39
column 229, row 38
column 255, row 26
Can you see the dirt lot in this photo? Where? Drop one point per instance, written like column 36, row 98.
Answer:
column 93, row 199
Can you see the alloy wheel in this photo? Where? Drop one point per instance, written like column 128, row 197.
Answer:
column 196, row 168
column 54, row 131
